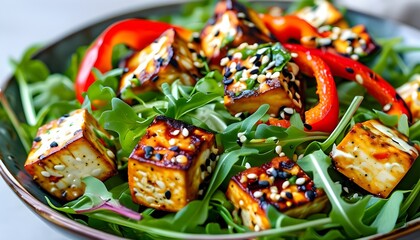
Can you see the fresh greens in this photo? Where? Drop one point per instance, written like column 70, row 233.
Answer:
column 244, row 141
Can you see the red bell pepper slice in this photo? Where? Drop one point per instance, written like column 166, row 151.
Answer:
column 352, row 70
column 135, row 33
column 323, row 116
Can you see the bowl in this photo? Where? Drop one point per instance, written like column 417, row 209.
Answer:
column 12, row 158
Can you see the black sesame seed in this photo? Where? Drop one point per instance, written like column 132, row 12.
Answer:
column 158, row 156
column 254, row 71
column 282, row 199
column 155, row 78
column 283, row 175
column 217, row 33
column 263, row 183
column 239, row 142
column 287, row 164
column 258, row 64
column 301, row 188
column 307, row 126
column 239, row 67
column 273, row 173
column 54, row 144
column 203, row 167
column 213, row 156
column 168, row 194
column 148, row 151
column 289, row 195
column 174, row 63
column 66, row 115
column 174, row 148
column 208, row 162
column 37, row 139
column 227, row 81
column 227, row 73
column 349, row 70
column 310, row 195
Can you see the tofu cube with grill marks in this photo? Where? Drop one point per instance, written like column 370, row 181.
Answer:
column 321, row 14
column 169, row 165
column 68, row 149
column 280, row 183
column 231, row 25
column 262, row 75
column 170, row 57
column 374, row 156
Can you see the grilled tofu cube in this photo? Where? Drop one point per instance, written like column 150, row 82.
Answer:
column 68, row 149
column 170, row 57
column 168, row 166
column 410, row 92
column 374, row 156
column 280, row 183
column 255, row 75
column 321, row 14
column 231, row 25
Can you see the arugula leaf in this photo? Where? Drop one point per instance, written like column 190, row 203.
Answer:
column 346, row 214
column 124, row 121
column 388, row 215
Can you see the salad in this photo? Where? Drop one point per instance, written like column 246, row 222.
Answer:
column 229, row 121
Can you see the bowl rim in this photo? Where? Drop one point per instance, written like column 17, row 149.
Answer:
column 59, row 220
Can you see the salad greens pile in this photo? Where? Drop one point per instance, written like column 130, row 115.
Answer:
column 108, row 206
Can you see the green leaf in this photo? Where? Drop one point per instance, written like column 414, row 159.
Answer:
column 348, row 215
column 403, row 125
column 387, row 217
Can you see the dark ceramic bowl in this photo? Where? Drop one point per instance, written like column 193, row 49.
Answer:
column 55, row 56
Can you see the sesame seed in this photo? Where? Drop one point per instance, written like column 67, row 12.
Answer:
column 289, row 111
column 294, row 55
column 346, row 189
column 243, row 179
column 168, row 194
column 274, row 189
column 181, row 158
column 349, row 70
column 175, row 132
column 59, row 167
column 45, row 174
column 300, row 156
column 300, row 181
column 53, row 144
column 387, row 107
column 265, row 59
column 261, row 78
column 78, row 159
column 349, row 49
column 110, row 154
column 278, row 149
column 263, row 183
column 275, row 75
column 172, row 141
column 242, row 138
column 310, row 195
column 200, row 192
column 241, row 15
column 254, row 71
column 37, row 139
column 237, row 55
column 241, row 202
column 285, row 184
column 358, row 50
column 289, row 195
column 247, row 165
column 354, row 57
column 324, row 41
column 257, row 228
column 160, row 184
column 96, row 172
column 173, row 159
column 224, row 61
column 252, row 59
column 258, row 194
column 359, row 79
column 252, row 176
column 150, row 199
column 238, row 114
column 185, row 132
column 209, row 169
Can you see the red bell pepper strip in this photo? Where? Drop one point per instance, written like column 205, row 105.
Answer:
column 135, row 33
column 352, row 70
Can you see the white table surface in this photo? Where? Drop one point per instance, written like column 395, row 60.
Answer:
column 24, row 22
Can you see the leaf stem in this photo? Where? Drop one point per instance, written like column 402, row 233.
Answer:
column 27, row 105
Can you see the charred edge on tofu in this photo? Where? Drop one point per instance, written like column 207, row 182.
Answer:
column 280, row 183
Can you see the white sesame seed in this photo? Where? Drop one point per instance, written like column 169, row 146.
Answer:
column 278, row 149
column 358, row 50
column 258, row 194
column 270, row 171
column 175, row 132
column 45, row 174
column 110, row 154
column 172, row 141
column 59, row 167
column 387, row 107
column 185, row 132
column 243, row 179
column 268, row 75
column 252, row 59
column 241, row 15
column 243, row 45
column 349, row 49
column 275, row 75
column 289, row 111
column 282, row 115
column 324, row 41
column 300, row 156
column 300, row 181
column 209, row 169
column 359, row 79
column 173, row 159
column 252, row 176
column 355, row 195
column 237, row 55
column 346, row 189
column 265, row 59
column 150, row 199
column 254, row 76
column 96, row 172
column 78, row 159
column 161, row 184
column 285, row 184
column 294, row 55
column 261, row 78
column 282, row 154
column 53, row 189
column 354, row 57
column 247, row 165
column 241, row 202
column 200, row 192
column 203, row 175
column 257, row 228
column 242, row 138
column 232, row 66
column 238, row 114
column 274, row 189
column 181, row 158
column 277, row 197
column 224, row 61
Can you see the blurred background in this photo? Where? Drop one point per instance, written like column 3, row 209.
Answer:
column 23, row 23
